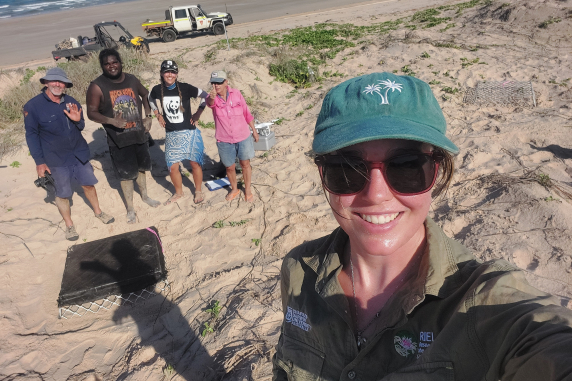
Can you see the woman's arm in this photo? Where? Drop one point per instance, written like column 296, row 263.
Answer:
column 197, row 115
column 155, row 108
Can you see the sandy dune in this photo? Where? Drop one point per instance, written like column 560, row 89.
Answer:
column 496, row 206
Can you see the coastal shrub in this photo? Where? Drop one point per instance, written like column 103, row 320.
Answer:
column 407, row 71
column 551, row 20
column 450, row 90
column 297, row 54
column 28, row 74
column 331, row 37
column 296, row 72
column 428, row 18
column 209, row 125
column 11, row 117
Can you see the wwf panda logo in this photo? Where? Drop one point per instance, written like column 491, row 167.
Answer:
column 172, row 109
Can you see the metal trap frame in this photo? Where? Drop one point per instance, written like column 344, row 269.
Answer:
column 131, row 299
column 506, row 93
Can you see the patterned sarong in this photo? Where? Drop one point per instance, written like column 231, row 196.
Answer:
column 184, row 145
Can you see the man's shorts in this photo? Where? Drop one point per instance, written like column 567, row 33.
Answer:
column 82, row 173
column 130, row 160
column 228, row 152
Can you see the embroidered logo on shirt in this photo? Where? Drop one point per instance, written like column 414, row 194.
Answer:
column 425, row 340
column 298, row 319
column 387, row 85
column 405, row 343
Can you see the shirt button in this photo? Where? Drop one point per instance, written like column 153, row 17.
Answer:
column 351, row 374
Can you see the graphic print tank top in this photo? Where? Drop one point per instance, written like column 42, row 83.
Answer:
column 122, row 99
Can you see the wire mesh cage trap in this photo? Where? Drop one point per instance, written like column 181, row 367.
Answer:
column 105, row 304
column 507, row 93
column 119, row 270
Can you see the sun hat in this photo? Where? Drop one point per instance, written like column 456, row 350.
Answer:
column 380, row 106
column 56, row 74
column 218, row 76
column 169, row 65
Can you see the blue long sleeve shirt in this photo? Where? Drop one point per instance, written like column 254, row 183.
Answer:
column 52, row 137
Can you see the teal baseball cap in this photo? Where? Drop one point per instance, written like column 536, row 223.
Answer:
column 380, row 106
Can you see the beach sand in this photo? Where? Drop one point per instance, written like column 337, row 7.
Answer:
column 496, row 205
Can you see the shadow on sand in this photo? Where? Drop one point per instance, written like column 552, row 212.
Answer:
column 100, row 152
column 559, row 152
column 160, row 322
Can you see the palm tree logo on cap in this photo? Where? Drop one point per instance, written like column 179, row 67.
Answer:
column 387, row 85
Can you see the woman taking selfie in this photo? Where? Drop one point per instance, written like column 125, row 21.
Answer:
column 183, row 139
column 387, row 296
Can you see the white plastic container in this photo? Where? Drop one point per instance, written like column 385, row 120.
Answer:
column 74, row 42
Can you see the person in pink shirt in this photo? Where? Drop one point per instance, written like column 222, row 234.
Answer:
column 233, row 126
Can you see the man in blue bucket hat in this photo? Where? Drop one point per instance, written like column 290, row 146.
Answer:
column 53, row 123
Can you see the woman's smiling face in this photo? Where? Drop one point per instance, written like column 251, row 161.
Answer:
column 169, row 77
column 378, row 221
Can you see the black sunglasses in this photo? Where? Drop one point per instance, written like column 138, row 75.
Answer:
column 407, row 174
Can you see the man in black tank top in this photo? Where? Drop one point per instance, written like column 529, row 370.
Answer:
column 115, row 100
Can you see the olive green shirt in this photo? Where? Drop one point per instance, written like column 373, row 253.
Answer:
column 459, row 319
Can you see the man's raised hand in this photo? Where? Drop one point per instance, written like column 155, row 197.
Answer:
column 74, row 112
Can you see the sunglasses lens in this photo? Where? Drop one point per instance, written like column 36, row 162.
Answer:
column 409, row 174
column 343, row 175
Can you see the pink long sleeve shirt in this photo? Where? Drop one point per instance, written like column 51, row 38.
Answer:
column 231, row 117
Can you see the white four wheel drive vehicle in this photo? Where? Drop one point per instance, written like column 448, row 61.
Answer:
column 187, row 19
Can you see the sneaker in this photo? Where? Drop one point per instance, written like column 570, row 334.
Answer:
column 104, row 217
column 71, row 234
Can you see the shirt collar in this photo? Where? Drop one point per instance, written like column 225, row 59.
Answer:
column 438, row 272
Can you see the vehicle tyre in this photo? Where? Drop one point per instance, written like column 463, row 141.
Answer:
column 169, row 35
column 218, row 28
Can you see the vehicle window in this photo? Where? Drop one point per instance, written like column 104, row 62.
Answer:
column 180, row 13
